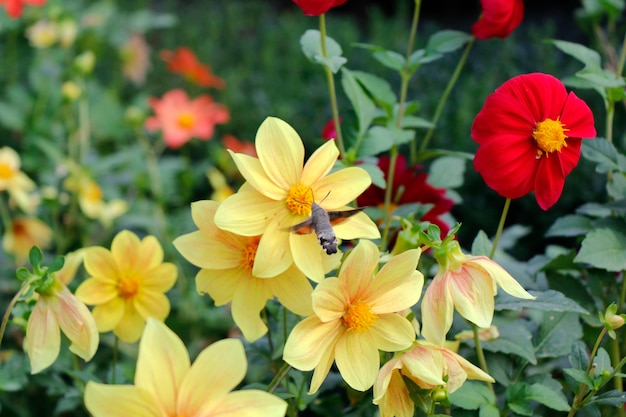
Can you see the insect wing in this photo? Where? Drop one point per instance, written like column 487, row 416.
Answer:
column 337, row 217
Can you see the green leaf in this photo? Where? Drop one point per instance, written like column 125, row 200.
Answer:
column 364, row 108
column 481, row 244
column 447, row 172
column 587, row 56
column 613, row 398
column 377, row 175
column 545, row 395
column 489, row 410
column 414, row 122
column 378, row 88
column 616, row 188
column 472, row 395
column 11, row 117
column 579, row 376
column 557, row 333
column 603, row 248
column 35, row 257
column 603, row 152
column 550, row 300
column 446, row 41
column 391, row 59
column 514, row 339
column 56, row 264
column 579, row 357
column 602, row 362
column 570, row 225
column 312, row 49
column 516, row 399
column 378, row 139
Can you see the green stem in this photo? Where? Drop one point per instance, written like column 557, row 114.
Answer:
column 280, row 375
column 578, row 400
column 116, row 348
column 621, row 61
column 442, row 101
column 481, row 354
column 156, row 185
column 332, row 92
column 496, row 239
column 84, row 128
column 14, row 300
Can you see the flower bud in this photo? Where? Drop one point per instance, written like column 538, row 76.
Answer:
column 85, row 62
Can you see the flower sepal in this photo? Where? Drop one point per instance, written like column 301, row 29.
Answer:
column 611, row 320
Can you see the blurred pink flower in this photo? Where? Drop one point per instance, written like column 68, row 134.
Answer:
column 14, row 7
column 181, row 119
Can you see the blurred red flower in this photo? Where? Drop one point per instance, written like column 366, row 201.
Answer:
column 499, row 18
column 409, row 186
column 328, row 131
column 530, row 132
column 317, row 7
column 239, row 146
column 14, row 7
column 184, row 62
column 182, row 119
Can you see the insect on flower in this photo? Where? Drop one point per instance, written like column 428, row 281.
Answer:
column 322, row 221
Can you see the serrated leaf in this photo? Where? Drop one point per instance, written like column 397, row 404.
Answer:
column 312, row 49
column 549, row 300
column 587, row 56
column 363, row 107
column 472, row 395
column 601, row 151
column 570, row 225
column 447, row 172
column 603, row 248
column 616, row 188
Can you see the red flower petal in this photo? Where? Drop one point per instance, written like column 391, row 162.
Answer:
column 499, row 18
column 577, row 118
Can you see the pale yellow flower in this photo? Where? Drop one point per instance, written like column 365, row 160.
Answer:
column 279, row 193
column 135, row 54
column 127, row 284
column 467, row 283
column 43, row 34
column 227, row 262
column 428, row 366
column 168, row 385
column 91, row 199
column 22, row 234
column 58, row 309
column 14, row 181
column 356, row 316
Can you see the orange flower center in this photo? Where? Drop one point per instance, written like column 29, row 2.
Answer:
column 299, row 200
column 6, row 171
column 359, row 317
column 247, row 258
column 128, row 287
column 550, row 136
column 186, row 120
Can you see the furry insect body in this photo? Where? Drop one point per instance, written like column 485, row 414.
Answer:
column 321, row 222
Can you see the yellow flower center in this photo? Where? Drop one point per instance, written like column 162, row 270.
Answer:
column 359, row 317
column 6, row 171
column 247, row 258
column 186, row 120
column 128, row 287
column 92, row 192
column 550, row 136
column 299, row 200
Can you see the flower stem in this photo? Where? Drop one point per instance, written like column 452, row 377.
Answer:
column 578, row 401
column 332, row 92
column 481, row 354
column 14, row 300
column 496, row 239
column 116, row 347
column 280, row 375
column 442, row 101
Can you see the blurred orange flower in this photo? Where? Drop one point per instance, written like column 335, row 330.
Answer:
column 184, row 62
column 182, row 119
column 22, row 234
column 14, row 7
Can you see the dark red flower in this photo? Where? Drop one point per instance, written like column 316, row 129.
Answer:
column 530, row 132
column 317, row 7
column 409, row 186
column 328, row 131
column 499, row 18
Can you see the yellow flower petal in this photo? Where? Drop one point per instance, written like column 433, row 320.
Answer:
column 97, row 291
column 125, row 250
column 77, row 324
column 273, row 255
column 43, row 338
column 384, row 377
column 207, row 253
column 221, row 366
column 252, row 170
column 280, row 151
column 293, row 291
column 396, row 401
column 323, row 367
column 330, row 300
column 249, row 299
column 247, row 213
column 357, row 359
column 358, row 268
column 108, row 315
column 501, row 277
column 437, row 311
column 341, row 187
column 319, row 164
column 150, row 253
column 100, row 263
column 307, row 255
column 398, row 285
column 250, row 403
column 160, row 278
column 219, row 284
column 308, row 341
column 203, row 212
column 359, row 226
column 131, row 325
column 162, row 363
column 152, row 304
column 472, row 292
column 119, row 400
column 392, row 332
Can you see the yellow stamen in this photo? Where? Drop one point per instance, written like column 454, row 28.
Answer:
column 186, row 120
column 6, row 171
column 247, row 259
column 550, row 136
column 359, row 317
column 299, row 200
column 128, row 287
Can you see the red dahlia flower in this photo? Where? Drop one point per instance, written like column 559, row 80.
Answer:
column 14, row 7
column 184, row 62
column 409, row 186
column 499, row 18
column 530, row 132
column 317, row 7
